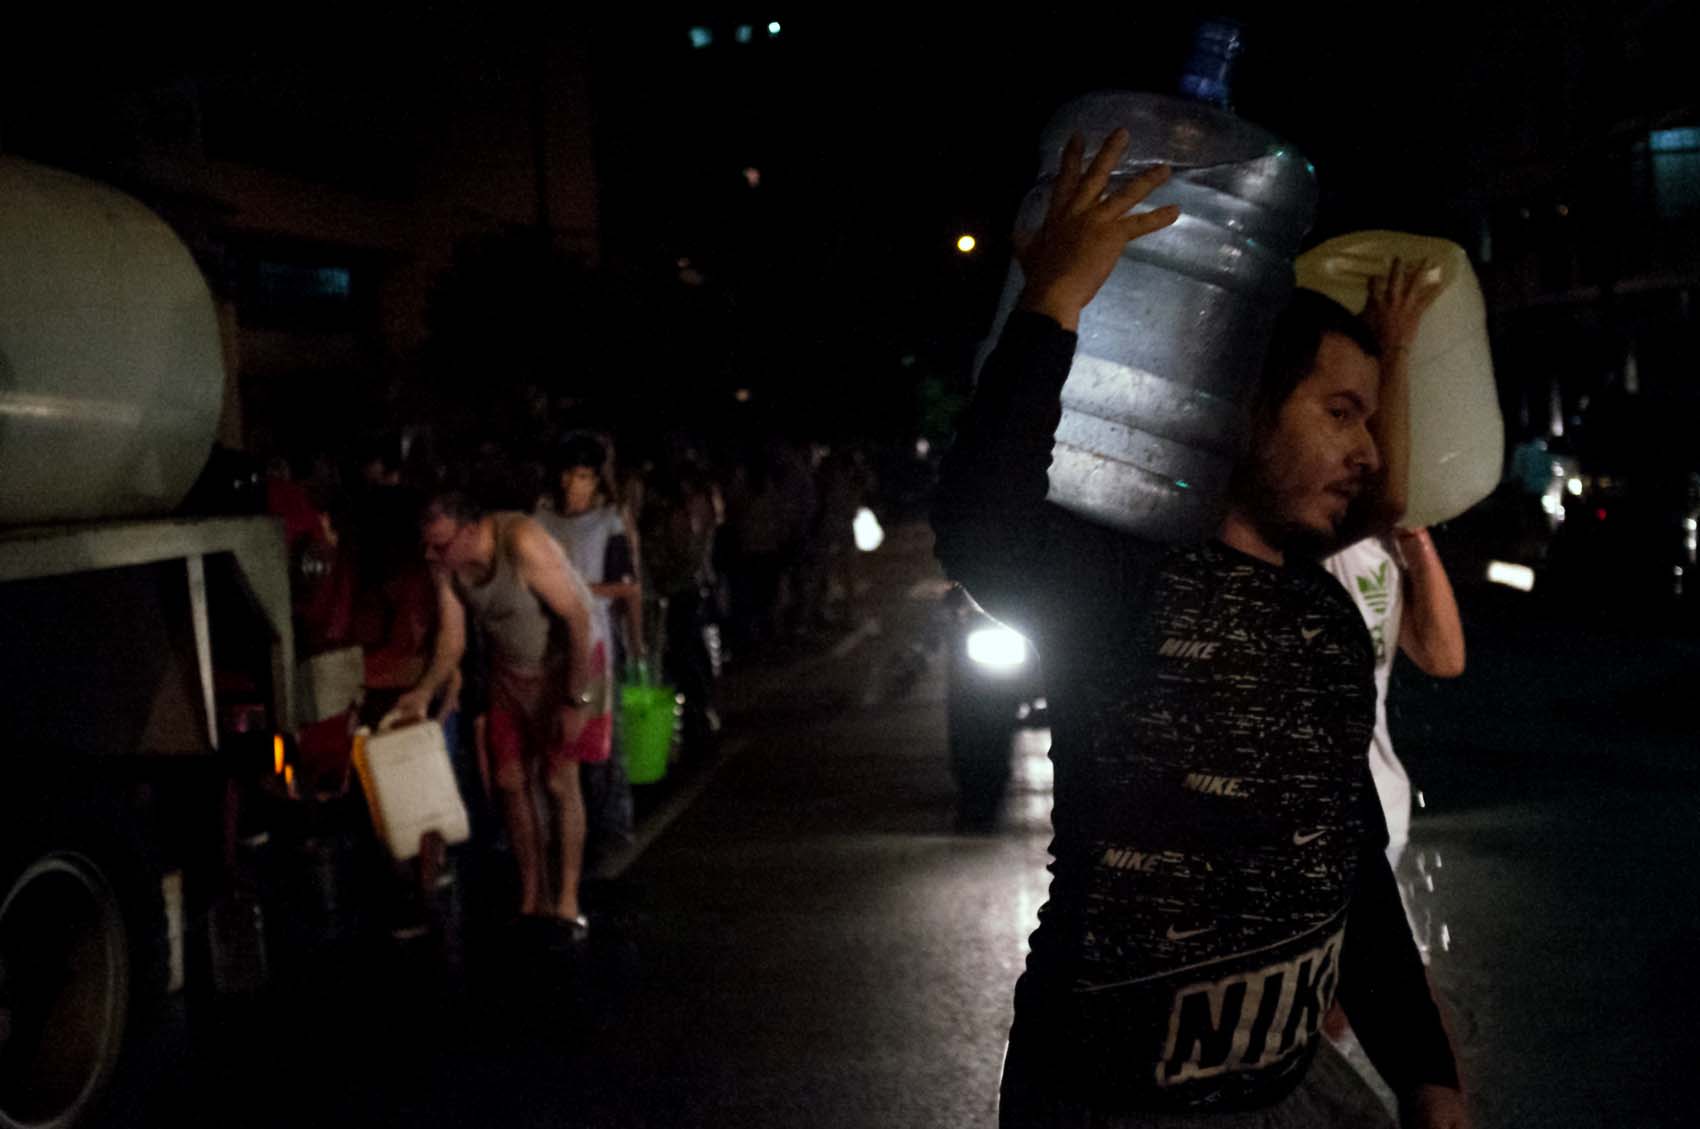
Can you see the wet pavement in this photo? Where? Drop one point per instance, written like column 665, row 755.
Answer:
column 803, row 939
column 1552, row 868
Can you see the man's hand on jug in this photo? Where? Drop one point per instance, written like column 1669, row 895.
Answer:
column 1396, row 303
column 1085, row 230
column 411, row 707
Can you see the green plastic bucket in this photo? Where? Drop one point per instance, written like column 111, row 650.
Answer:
column 648, row 715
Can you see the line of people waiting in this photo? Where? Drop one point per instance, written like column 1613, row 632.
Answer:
column 542, row 585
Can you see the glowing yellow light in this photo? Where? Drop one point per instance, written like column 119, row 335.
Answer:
column 967, row 244
column 742, row 395
column 277, row 754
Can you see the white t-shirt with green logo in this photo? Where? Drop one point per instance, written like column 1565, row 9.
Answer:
column 1371, row 575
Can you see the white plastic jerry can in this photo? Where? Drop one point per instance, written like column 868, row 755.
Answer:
column 1457, row 434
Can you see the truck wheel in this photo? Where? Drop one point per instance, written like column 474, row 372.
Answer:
column 65, row 992
column 83, row 956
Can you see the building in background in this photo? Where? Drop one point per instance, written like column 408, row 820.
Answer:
column 324, row 186
column 1586, row 226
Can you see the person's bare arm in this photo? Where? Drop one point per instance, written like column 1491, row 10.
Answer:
column 623, row 589
column 445, row 657
column 632, row 604
column 1393, row 311
column 481, row 747
column 1430, row 632
column 544, row 568
column 633, row 599
column 1435, row 1107
column 630, row 529
column 628, row 594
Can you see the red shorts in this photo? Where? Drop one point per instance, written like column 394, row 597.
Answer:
column 524, row 719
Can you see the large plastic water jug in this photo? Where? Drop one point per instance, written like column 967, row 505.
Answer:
column 1153, row 418
column 1457, row 434
column 111, row 369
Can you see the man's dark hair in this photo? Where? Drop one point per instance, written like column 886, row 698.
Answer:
column 580, row 449
column 1293, row 345
column 456, row 504
column 383, row 448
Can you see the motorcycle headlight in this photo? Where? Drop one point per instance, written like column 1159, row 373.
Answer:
column 997, row 647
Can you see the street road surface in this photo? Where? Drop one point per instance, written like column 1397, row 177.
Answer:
column 803, row 941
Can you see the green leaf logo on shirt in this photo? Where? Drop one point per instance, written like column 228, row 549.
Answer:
column 1374, row 589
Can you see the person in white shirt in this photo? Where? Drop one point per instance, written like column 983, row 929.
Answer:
column 1401, row 589
column 595, row 533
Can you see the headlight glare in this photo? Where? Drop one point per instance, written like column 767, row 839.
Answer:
column 997, row 647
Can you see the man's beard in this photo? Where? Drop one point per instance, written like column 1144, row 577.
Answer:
column 1263, row 503
column 1297, row 540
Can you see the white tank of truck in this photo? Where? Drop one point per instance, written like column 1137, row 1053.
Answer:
column 111, row 369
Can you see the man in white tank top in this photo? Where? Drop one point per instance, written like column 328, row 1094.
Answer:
column 548, row 675
column 1401, row 589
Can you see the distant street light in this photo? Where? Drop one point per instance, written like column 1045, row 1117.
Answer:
column 967, row 244
column 773, row 28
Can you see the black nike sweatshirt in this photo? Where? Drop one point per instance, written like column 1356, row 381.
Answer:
column 1217, row 866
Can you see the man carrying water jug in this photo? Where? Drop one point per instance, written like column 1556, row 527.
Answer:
column 1217, row 876
column 547, row 671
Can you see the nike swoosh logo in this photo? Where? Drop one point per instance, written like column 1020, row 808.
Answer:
column 1300, row 838
column 1182, row 934
column 1310, row 632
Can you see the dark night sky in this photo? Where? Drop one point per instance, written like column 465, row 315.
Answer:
column 1409, row 112
column 881, row 134
column 880, row 138
column 945, row 114
column 881, row 117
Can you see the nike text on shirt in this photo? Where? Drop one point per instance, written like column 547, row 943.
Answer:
column 1251, row 1020
column 1187, row 649
column 1205, row 783
column 1124, row 858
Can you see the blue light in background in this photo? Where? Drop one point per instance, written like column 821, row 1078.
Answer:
column 1675, row 165
column 292, row 282
column 1674, row 140
column 335, row 282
